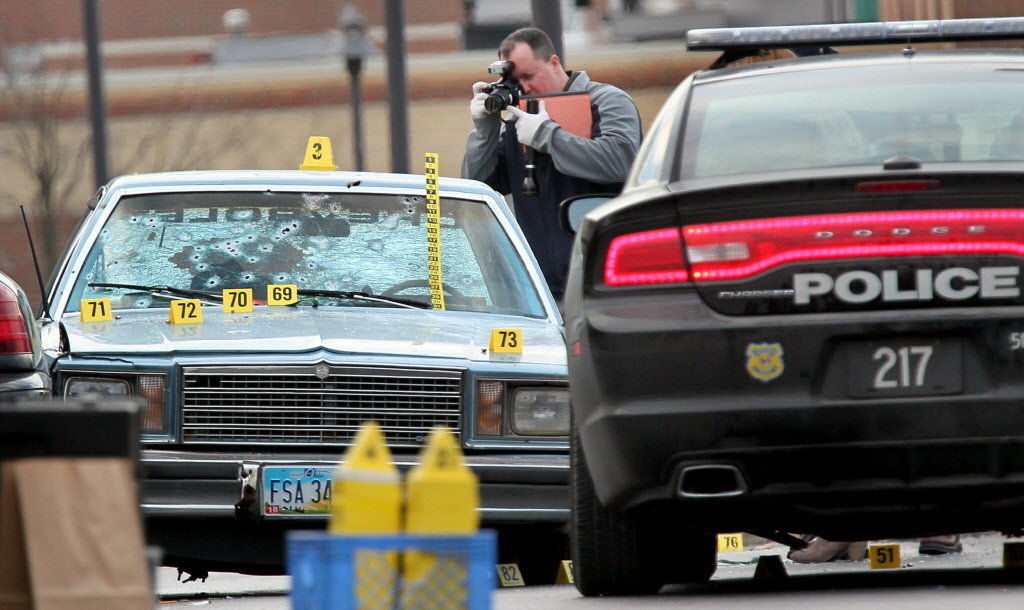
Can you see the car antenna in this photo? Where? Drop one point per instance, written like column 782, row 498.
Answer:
column 35, row 261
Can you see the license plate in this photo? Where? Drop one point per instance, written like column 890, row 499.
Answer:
column 905, row 367
column 296, row 491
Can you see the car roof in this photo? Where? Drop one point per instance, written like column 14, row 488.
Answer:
column 291, row 178
column 893, row 56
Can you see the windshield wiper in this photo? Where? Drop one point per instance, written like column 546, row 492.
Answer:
column 167, row 292
column 364, row 296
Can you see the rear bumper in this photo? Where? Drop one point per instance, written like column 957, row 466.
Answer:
column 845, row 472
column 661, row 383
column 17, row 386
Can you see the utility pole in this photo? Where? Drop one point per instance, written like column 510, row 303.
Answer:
column 97, row 105
column 355, row 49
column 397, row 98
column 547, row 16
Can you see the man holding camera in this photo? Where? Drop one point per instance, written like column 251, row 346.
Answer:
column 564, row 164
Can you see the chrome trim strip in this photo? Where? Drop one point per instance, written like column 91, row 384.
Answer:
column 220, row 510
column 190, row 510
column 548, row 463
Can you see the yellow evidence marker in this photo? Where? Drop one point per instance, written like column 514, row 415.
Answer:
column 186, row 311
column 1013, row 555
column 509, row 575
column 506, row 341
column 566, row 573
column 884, row 556
column 319, row 154
column 237, row 300
column 442, row 496
column 282, row 294
column 730, row 543
column 366, row 495
column 96, row 310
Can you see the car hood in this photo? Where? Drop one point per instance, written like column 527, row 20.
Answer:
column 367, row 331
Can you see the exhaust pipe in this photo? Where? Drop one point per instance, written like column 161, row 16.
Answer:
column 711, row 481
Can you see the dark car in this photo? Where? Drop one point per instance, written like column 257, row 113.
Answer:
column 23, row 371
column 804, row 313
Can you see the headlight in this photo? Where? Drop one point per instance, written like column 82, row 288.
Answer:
column 148, row 387
column 77, row 387
column 540, row 412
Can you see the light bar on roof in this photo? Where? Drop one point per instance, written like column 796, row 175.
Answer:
column 836, row 34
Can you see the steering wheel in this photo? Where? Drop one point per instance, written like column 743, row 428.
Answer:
column 401, row 286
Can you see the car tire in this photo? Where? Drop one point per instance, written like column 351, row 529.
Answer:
column 629, row 552
column 610, row 555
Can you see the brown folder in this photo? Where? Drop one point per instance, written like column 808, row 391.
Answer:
column 570, row 110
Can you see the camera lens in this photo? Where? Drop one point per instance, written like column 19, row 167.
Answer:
column 497, row 100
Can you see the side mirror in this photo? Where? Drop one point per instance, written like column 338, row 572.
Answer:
column 573, row 209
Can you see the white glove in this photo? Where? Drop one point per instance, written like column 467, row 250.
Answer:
column 527, row 124
column 476, row 105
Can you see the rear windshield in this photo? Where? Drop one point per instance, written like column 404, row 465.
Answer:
column 857, row 115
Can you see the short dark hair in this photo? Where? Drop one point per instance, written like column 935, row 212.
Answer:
column 539, row 42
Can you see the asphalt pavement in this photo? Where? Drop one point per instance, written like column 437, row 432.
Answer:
column 971, row 579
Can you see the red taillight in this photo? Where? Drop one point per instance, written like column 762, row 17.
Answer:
column 649, row 257
column 13, row 331
column 741, row 249
column 775, row 241
column 896, row 186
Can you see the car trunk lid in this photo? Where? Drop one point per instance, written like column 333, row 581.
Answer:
column 856, row 244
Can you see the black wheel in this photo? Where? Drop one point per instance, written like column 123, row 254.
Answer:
column 629, row 552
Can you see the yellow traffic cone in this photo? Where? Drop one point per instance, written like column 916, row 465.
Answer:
column 442, row 497
column 366, row 499
column 366, row 494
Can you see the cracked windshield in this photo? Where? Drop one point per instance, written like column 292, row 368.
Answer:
column 369, row 243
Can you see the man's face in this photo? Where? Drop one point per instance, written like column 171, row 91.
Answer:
column 536, row 75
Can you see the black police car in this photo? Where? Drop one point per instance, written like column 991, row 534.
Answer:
column 804, row 313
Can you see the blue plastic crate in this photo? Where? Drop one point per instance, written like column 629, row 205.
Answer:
column 330, row 572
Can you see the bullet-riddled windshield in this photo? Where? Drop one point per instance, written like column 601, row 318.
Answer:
column 856, row 115
column 369, row 243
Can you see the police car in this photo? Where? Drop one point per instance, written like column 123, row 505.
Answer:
column 805, row 312
column 263, row 316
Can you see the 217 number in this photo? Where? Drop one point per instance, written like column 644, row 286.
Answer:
column 908, row 366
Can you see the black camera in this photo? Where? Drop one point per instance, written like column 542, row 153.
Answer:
column 502, row 92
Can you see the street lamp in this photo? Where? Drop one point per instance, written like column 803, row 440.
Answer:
column 355, row 48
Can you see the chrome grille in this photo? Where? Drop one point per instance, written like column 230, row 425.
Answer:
column 278, row 405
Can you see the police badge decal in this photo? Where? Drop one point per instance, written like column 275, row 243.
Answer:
column 764, row 361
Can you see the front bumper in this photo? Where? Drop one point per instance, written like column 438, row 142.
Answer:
column 190, row 484
column 201, row 508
